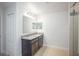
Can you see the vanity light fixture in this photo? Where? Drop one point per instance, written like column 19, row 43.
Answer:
column 37, row 25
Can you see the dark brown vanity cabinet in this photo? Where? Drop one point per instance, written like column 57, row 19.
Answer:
column 30, row 47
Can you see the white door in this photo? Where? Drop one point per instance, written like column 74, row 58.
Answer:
column 10, row 33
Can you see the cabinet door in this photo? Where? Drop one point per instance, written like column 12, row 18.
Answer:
column 24, row 47
column 40, row 41
column 34, row 46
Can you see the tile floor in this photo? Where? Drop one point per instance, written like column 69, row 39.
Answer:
column 47, row 51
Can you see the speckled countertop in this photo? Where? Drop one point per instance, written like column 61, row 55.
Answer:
column 31, row 36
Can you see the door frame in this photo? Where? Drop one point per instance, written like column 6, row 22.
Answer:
column 0, row 35
column 1, row 25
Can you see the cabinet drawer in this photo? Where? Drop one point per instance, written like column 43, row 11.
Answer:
column 40, row 37
column 34, row 40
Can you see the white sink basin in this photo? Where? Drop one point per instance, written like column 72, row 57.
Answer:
column 31, row 36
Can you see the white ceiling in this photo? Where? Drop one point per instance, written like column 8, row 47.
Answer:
column 6, row 4
column 47, row 7
column 43, row 7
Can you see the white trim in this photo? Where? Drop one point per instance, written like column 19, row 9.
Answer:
column 69, row 26
column 1, row 33
column 56, row 47
column 1, row 27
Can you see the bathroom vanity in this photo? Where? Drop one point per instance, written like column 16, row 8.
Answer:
column 31, row 43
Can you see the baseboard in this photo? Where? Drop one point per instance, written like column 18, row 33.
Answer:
column 78, row 54
column 2, row 54
column 51, row 46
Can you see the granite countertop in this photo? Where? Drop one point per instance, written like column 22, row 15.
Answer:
column 31, row 36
